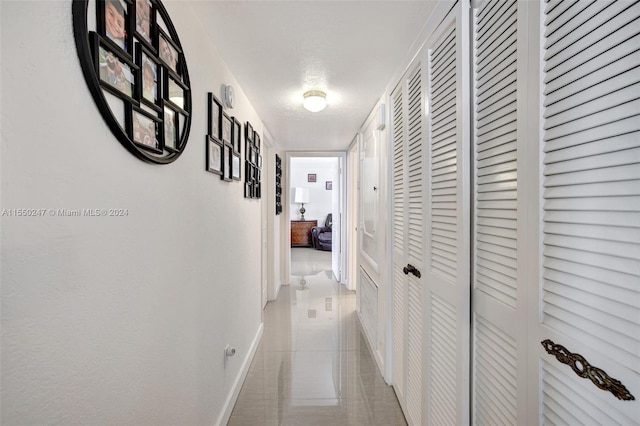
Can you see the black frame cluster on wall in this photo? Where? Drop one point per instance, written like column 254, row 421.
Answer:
column 278, row 185
column 135, row 68
column 253, row 163
column 224, row 137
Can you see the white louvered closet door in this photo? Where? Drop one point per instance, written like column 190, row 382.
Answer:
column 399, row 241
column 499, row 320
column 408, row 241
column 590, row 289
column 446, row 273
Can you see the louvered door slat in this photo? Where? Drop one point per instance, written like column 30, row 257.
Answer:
column 499, row 99
column 496, row 57
column 591, row 238
column 443, row 166
column 499, row 31
column 605, row 35
column 579, row 17
column 616, row 60
column 489, row 23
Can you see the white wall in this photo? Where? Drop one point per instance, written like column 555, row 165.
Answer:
column 116, row 320
column 326, row 169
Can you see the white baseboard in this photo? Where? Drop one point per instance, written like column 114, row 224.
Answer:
column 227, row 408
column 377, row 356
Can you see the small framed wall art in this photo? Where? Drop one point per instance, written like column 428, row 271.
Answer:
column 215, row 116
column 214, row 155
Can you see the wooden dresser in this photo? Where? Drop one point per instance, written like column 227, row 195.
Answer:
column 301, row 232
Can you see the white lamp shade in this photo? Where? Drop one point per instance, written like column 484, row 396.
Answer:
column 301, row 195
column 315, row 101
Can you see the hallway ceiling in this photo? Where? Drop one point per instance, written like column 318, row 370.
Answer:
column 277, row 50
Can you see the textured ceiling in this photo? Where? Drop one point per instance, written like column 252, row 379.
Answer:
column 277, row 50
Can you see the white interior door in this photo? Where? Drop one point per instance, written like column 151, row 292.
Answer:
column 501, row 143
column 399, row 231
column 447, row 294
column 589, row 301
column 414, row 187
column 408, row 241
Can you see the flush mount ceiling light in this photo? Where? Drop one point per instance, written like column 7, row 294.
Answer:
column 315, row 100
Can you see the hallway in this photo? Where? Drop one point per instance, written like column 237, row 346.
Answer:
column 314, row 366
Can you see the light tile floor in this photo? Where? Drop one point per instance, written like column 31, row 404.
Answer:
column 313, row 366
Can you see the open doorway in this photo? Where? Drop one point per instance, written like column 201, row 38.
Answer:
column 315, row 208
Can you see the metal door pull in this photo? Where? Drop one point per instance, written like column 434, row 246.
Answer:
column 412, row 269
column 587, row 371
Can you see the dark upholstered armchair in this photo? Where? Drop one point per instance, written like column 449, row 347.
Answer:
column 321, row 235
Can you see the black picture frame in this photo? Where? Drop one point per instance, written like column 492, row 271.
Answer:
column 328, row 185
column 215, row 116
column 111, row 19
column 311, row 177
column 227, row 161
column 172, row 83
column 248, row 128
column 259, row 160
column 226, row 128
column 278, row 176
column 169, row 52
column 117, row 73
column 236, row 135
column 236, row 167
column 148, row 62
column 171, row 128
column 214, row 155
column 89, row 42
column 137, row 122
column 256, row 140
column 145, row 23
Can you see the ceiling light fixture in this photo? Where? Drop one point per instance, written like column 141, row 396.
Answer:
column 315, row 100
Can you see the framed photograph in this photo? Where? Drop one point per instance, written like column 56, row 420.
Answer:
column 214, row 155
column 247, row 171
column 118, row 74
column 149, row 70
column 235, row 166
column 145, row 18
column 254, row 160
column 215, row 116
column 236, row 135
column 248, row 132
column 256, row 140
column 170, row 130
column 311, row 177
column 247, row 190
column 227, row 161
column 174, row 91
column 328, row 185
column 168, row 52
column 227, row 124
column 144, row 129
column 259, row 162
column 114, row 23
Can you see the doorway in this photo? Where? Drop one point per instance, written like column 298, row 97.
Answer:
column 315, row 185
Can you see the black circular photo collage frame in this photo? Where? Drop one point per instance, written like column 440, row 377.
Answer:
column 134, row 65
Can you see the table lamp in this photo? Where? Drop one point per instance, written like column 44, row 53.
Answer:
column 301, row 195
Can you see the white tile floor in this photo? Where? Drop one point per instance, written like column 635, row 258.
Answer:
column 313, row 366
